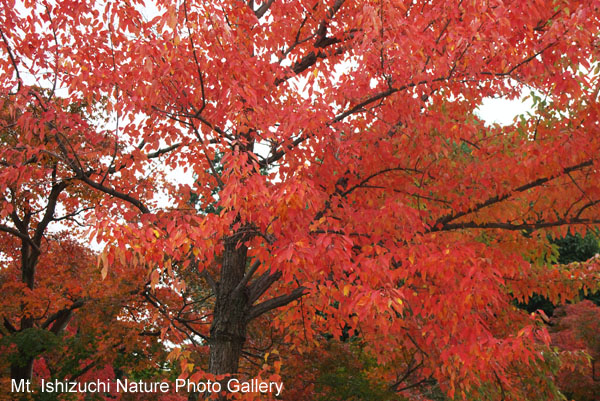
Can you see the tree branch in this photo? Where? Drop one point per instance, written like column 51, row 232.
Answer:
column 247, row 277
column 110, row 191
column 262, row 284
column 11, row 329
column 16, row 233
column 443, row 221
column 172, row 319
column 515, row 227
column 62, row 317
column 263, row 8
column 209, row 278
column 13, row 61
column 49, row 215
column 160, row 152
column 276, row 302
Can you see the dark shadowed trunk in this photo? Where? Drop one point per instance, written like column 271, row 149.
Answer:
column 23, row 370
column 237, row 293
column 22, row 367
column 228, row 330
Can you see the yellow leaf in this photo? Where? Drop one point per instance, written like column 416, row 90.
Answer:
column 346, row 290
column 104, row 270
column 154, row 276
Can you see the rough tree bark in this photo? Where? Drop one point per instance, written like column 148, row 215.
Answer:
column 228, row 330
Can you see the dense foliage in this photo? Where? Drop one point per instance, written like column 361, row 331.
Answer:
column 217, row 188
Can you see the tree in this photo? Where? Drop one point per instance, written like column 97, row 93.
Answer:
column 575, row 330
column 358, row 187
column 570, row 248
column 48, row 275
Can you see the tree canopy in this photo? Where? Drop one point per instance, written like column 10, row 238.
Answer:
column 269, row 180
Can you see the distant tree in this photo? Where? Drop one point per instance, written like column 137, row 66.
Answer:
column 577, row 248
column 568, row 249
column 575, row 330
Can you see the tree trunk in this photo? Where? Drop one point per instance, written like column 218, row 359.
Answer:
column 228, row 330
column 22, row 370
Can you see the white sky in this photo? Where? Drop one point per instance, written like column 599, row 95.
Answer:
column 502, row 111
